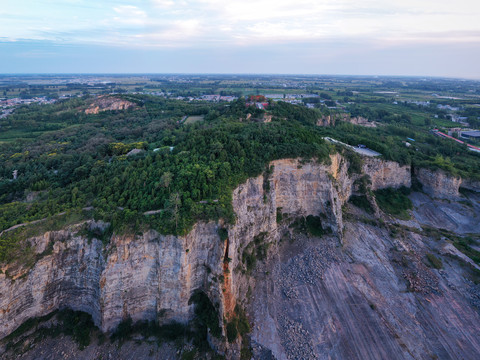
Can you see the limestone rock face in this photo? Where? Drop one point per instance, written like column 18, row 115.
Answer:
column 142, row 276
column 108, row 103
column 157, row 274
column 70, row 276
column 385, row 174
column 470, row 185
column 297, row 189
column 330, row 120
column 438, row 183
column 136, row 276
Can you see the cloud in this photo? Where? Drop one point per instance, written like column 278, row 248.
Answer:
column 210, row 23
column 129, row 14
column 163, row 3
column 179, row 33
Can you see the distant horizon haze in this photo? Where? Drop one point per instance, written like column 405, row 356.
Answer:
column 319, row 75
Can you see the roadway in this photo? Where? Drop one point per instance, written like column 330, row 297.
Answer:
column 362, row 151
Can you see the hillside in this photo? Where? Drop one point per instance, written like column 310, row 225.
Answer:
column 233, row 237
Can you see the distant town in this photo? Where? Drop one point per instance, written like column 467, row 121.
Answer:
column 436, row 105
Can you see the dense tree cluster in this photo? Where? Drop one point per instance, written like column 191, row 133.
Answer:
column 66, row 160
column 186, row 174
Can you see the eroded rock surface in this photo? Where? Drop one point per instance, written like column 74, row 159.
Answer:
column 359, row 292
column 108, row 103
column 355, row 302
column 135, row 276
column 438, row 183
column 386, row 174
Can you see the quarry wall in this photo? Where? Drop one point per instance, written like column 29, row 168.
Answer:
column 152, row 276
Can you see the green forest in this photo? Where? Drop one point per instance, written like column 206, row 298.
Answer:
column 68, row 161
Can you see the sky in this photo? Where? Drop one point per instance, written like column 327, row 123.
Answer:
column 352, row 37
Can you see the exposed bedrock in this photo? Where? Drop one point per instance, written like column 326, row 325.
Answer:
column 136, row 276
column 357, row 293
column 440, row 184
column 385, row 174
column 372, row 298
column 142, row 276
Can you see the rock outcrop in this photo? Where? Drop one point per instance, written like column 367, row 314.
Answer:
column 330, row 120
column 438, row 183
column 296, row 189
column 385, row 174
column 69, row 276
column 142, row 276
column 372, row 298
column 136, row 276
column 109, row 103
column 469, row 184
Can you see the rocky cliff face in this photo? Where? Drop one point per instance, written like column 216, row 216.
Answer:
column 438, row 183
column 330, row 120
column 70, row 276
column 294, row 188
column 385, row 174
column 145, row 275
column 108, row 103
column 473, row 185
column 155, row 274
column 376, row 297
column 136, row 276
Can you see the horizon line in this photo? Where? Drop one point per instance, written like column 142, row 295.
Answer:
column 236, row 74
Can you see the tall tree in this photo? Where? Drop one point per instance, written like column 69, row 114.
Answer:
column 174, row 204
column 166, row 179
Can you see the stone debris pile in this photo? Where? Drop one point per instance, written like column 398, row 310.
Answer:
column 306, row 268
column 420, row 278
column 296, row 340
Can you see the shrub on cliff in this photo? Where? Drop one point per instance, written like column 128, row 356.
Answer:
column 206, row 318
column 232, row 332
column 394, row 201
column 362, row 203
column 434, row 261
column 309, row 225
column 76, row 324
column 239, row 324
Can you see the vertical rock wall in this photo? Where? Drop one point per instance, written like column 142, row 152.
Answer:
column 384, row 174
column 438, row 183
column 70, row 276
column 297, row 188
column 144, row 276
column 136, row 276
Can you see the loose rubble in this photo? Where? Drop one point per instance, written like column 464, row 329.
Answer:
column 296, row 340
column 306, row 268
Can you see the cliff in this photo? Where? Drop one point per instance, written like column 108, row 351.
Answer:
column 145, row 275
column 330, row 120
column 440, row 184
column 296, row 189
column 108, row 103
column 342, row 295
column 136, row 276
column 469, row 184
column 385, row 174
